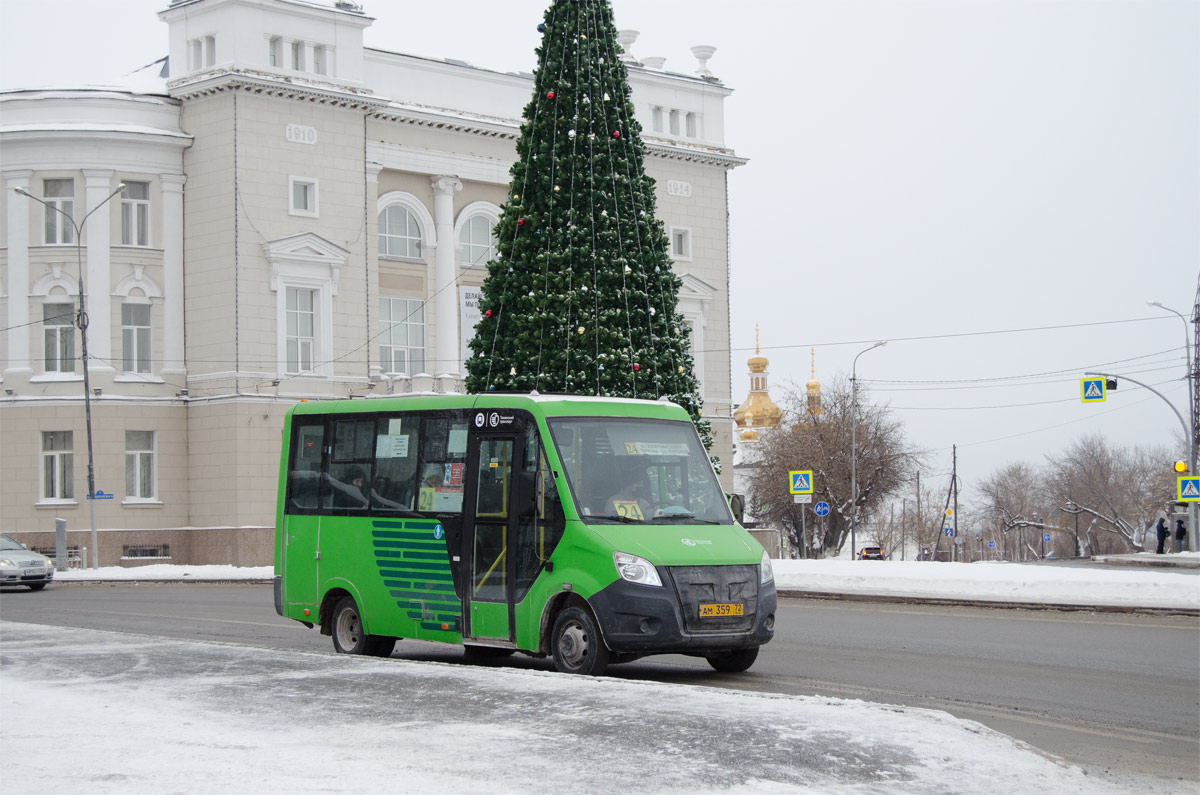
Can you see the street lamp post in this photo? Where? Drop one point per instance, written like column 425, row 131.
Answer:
column 1075, row 509
column 82, row 322
column 1193, row 508
column 854, row 447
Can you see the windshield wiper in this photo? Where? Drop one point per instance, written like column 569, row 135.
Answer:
column 689, row 518
column 616, row 518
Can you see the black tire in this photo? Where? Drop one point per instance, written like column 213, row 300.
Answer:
column 484, row 653
column 37, row 587
column 578, row 646
column 348, row 634
column 733, row 662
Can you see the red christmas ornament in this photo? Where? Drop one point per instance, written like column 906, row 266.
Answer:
column 616, row 133
column 549, row 95
column 520, row 222
column 636, row 367
column 487, row 313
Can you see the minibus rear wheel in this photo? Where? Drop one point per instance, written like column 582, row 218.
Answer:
column 577, row 644
column 348, row 634
column 733, row 662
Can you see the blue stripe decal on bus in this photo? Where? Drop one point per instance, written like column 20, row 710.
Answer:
column 415, row 567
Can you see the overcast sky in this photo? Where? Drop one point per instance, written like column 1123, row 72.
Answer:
column 919, row 169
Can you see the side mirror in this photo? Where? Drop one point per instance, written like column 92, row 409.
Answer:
column 737, row 504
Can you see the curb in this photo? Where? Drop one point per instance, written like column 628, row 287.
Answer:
column 948, row 602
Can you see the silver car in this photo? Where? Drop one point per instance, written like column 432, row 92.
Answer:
column 20, row 566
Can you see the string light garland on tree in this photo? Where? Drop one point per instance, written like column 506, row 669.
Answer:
column 582, row 277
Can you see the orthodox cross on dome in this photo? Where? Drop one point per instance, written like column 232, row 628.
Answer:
column 813, row 388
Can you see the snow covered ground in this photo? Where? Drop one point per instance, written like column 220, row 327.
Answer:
column 1114, row 586
column 99, row 712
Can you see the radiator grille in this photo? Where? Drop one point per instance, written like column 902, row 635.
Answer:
column 697, row 585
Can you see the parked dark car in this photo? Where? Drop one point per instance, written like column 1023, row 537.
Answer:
column 20, row 566
column 871, row 553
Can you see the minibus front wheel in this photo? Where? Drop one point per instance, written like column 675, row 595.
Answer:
column 733, row 662
column 577, row 644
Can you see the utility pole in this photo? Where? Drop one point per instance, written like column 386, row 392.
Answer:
column 954, row 485
column 920, row 526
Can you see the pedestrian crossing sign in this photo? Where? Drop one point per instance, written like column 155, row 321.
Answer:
column 1093, row 390
column 801, row 481
column 1188, row 489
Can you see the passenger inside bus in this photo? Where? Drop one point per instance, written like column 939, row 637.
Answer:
column 348, row 491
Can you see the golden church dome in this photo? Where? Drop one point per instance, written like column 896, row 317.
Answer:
column 757, row 410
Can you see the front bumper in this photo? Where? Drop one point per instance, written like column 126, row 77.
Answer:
column 30, row 575
column 648, row 619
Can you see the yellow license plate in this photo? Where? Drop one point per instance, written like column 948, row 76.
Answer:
column 720, row 610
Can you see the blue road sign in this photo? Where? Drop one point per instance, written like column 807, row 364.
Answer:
column 801, row 481
column 1092, row 389
column 101, row 495
column 949, row 531
column 1046, row 537
column 991, row 545
column 1188, row 489
column 821, row 508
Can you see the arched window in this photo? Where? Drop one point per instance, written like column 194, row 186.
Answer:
column 399, row 233
column 476, row 241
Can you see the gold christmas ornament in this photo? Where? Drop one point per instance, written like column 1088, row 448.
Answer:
column 581, row 329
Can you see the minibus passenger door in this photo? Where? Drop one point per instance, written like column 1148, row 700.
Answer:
column 487, row 535
column 301, row 513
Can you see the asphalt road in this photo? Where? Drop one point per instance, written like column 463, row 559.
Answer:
column 1114, row 693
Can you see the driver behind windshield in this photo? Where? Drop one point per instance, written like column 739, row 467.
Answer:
column 633, row 498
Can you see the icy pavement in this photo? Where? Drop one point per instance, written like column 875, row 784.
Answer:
column 98, row 712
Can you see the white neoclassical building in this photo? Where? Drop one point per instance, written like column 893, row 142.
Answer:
column 302, row 217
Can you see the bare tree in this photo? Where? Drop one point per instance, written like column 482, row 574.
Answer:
column 822, row 444
column 1118, row 489
column 1014, row 503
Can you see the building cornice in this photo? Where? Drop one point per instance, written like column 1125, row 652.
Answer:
column 270, row 85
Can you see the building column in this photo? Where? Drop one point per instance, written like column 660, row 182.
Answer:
column 99, row 270
column 174, row 362
column 446, row 301
column 18, row 273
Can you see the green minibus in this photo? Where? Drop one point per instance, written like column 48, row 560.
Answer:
column 593, row 530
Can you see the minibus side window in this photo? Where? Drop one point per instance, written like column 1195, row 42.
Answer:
column 442, row 465
column 394, row 487
column 350, row 465
column 304, row 471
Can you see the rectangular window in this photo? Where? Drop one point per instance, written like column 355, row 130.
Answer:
column 656, row 118
column 210, row 50
column 59, row 193
column 674, row 122
column 396, row 441
column 59, row 337
column 681, row 243
column 139, row 465
column 57, row 462
column 350, row 465
column 135, row 214
column 300, row 333
column 402, row 337
column 443, row 459
column 275, row 51
column 298, row 56
column 196, row 53
column 303, row 196
column 320, row 55
column 692, row 125
column 304, row 472
column 135, row 338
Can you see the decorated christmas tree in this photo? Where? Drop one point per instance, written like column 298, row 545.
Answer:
column 581, row 298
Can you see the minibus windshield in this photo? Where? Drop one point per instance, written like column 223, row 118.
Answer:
column 640, row 471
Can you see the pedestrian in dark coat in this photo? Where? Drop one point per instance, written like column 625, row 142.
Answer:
column 1164, row 532
column 1180, row 534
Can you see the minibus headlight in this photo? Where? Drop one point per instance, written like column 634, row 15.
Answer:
column 765, row 573
column 635, row 569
